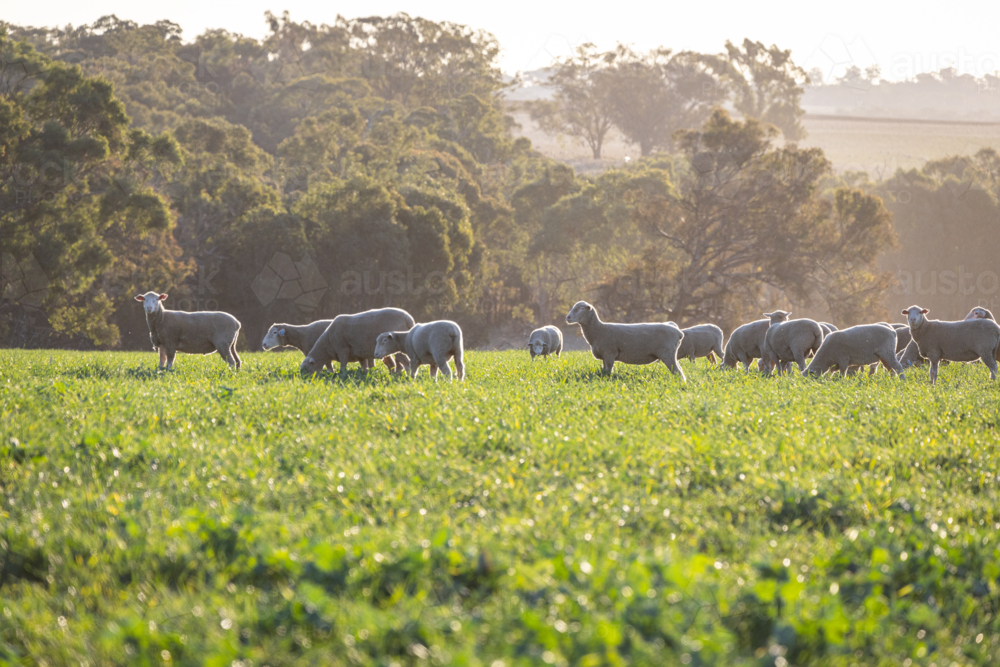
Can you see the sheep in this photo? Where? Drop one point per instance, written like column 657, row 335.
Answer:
column 352, row 338
column 202, row 332
column 745, row 344
column 787, row 340
column 702, row 340
column 979, row 313
column 303, row 337
column 545, row 341
column 854, row 347
column 965, row 340
column 627, row 343
column 431, row 343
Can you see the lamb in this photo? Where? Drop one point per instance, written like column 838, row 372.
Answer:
column 702, row 340
column 855, row 347
column 202, row 332
column 965, row 340
column 303, row 337
column 545, row 341
column 431, row 343
column 627, row 343
column 787, row 340
column 352, row 338
column 979, row 313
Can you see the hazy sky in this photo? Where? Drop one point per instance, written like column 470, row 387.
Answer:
column 902, row 39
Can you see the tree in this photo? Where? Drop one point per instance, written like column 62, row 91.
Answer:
column 747, row 216
column 655, row 94
column 78, row 198
column 582, row 107
column 766, row 85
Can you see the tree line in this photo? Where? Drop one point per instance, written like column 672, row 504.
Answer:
column 373, row 162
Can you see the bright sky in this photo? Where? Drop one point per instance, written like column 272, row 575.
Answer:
column 902, row 39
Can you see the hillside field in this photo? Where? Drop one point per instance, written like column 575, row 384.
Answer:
column 874, row 145
column 537, row 513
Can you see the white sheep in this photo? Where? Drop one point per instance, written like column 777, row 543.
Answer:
column 300, row 336
column 201, row 332
column 966, row 340
column 854, row 347
column 432, row 343
column 745, row 344
column 980, row 313
column 304, row 336
column 545, row 341
column 701, row 340
column 352, row 338
column 790, row 340
column 627, row 343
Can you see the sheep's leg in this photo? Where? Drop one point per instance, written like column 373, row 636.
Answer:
column 460, row 365
column 442, row 363
column 934, row 371
column 800, row 359
column 224, row 353
column 674, row 367
column 343, row 367
column 163, row 357
column 991, row 364
column 414, row 367
column 434, row 372
column 232, row 351
column 608, row 365
column 170, row 359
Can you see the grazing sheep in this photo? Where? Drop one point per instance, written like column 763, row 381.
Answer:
column 627, row 343
column 702, row 340
column 854, row 347
column 746, row 344
column 300, row 336
column 910, row 355
column 966, row 340
column 303, row 337
column 202, row 332
column 432, row 343
column 979, row 313
column 545, row 341
column 790, row 340
column 352, row 338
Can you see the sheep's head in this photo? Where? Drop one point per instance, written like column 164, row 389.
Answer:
column 388, row 343
column 538, row 348
column 979, row 313
column 580, row 311
column 310, row 366
column 915, row 315
column 777, row 316
column 275, row 337
column 150, row 301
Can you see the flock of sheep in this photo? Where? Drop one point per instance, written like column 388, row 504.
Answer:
column 390, row 334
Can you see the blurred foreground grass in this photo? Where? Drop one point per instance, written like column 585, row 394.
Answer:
column 537, row 513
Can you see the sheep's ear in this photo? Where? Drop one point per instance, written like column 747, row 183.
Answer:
column 162, row 297
column 139, row 297
column 281, row 332
column 925, row 311
column 906, row 312
column 788, row 314
column 767, row 314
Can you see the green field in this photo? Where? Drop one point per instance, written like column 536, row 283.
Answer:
column 534, row 514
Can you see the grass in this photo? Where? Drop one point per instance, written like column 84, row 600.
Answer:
column 537, row 513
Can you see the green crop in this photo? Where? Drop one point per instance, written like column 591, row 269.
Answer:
column 537, row 513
